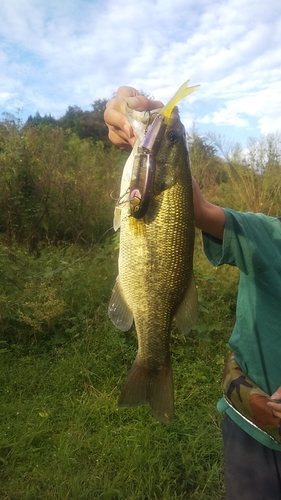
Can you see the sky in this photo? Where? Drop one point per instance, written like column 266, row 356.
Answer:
column 60, row 53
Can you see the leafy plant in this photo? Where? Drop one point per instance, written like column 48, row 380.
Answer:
column 55, row 186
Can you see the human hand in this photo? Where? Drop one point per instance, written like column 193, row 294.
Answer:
column 276, row 407
column 120, row 131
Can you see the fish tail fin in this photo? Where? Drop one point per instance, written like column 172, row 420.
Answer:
column 161, row 395
column 144, row 385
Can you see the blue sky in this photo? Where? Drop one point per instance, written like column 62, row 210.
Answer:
column 58, row 53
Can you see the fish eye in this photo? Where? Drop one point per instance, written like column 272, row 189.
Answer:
column 173, row 136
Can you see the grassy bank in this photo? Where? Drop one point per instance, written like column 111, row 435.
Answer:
column 62, row 435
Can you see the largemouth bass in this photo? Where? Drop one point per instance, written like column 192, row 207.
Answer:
column 155, row 281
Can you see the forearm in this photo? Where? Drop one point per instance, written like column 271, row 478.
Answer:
column 208, row 217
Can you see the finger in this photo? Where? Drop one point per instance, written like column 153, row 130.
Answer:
column 121, row 140
column 120, row 100
column 126, row 91
column 118, row 125
column 120, row 131
column 277, row 394
column 115, row 112
column 116, row 119
column 276, row 413
column 129, row 95
column 276, row 408
column 142, row 103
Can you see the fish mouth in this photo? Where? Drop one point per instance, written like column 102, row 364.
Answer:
column 143, row 173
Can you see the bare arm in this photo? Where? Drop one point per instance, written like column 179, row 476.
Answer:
column 208, row 217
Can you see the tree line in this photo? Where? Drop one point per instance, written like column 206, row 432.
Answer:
column 85, row 124
column 59, row 179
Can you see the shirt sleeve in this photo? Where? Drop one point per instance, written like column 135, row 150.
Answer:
column 246, row 242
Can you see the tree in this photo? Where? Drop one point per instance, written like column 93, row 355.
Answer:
column 37, row 119
column 85, row 124
column 207, row 166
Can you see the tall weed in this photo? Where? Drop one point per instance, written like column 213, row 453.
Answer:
column 55, row 186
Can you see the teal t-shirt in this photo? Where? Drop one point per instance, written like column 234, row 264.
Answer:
column 252, row 242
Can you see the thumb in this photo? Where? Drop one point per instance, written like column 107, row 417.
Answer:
column 277, row 394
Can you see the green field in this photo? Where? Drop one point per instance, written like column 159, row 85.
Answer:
column 62, row 366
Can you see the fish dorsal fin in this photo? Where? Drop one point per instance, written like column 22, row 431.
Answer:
column 187, row 313
column 118, row 310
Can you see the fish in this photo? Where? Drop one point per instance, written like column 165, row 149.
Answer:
column 155, row 280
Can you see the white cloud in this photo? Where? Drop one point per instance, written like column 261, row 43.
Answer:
column 264, row 105
column 54, row 54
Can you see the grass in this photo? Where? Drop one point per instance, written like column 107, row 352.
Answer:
column 62, row 435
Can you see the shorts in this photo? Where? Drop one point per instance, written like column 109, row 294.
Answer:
column 252, row 470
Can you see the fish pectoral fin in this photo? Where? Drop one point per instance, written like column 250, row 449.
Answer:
column 118, row 310
column 187, row 313
column 117, row 218
column 144, row 385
